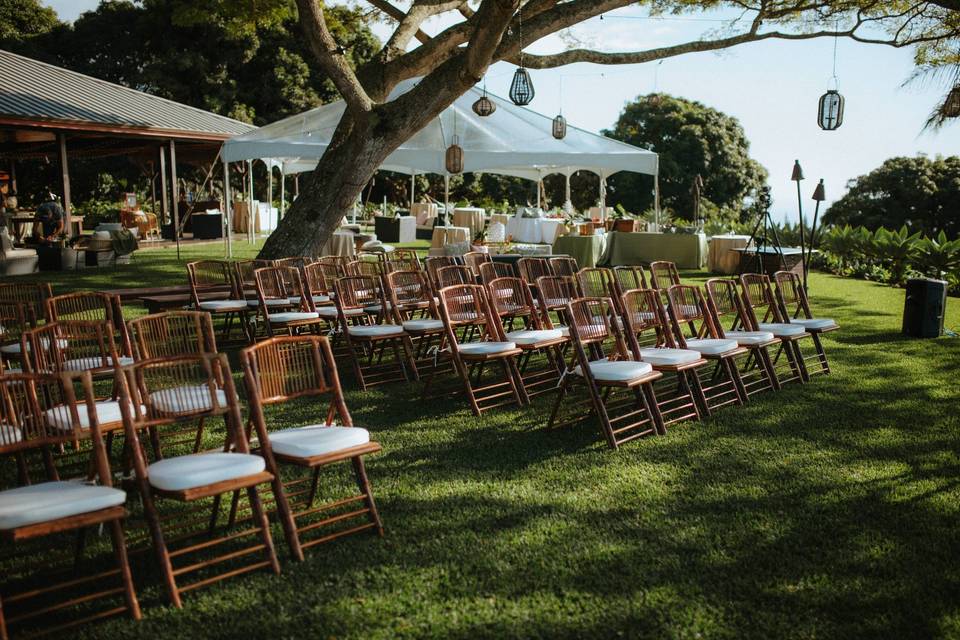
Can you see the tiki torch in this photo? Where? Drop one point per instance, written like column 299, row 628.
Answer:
column 797, row 177
column 819, row 195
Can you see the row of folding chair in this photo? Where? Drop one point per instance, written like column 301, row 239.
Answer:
column 206, row 514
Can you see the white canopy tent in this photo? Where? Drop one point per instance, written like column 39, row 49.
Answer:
column 513, row 141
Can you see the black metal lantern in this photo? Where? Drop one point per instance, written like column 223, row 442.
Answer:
column 830, row 114
column 951, row 107
column 454, row 157
column 560, row 127
column 521, row 89
column 484, row 106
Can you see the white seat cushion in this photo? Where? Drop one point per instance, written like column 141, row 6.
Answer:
column 616, row 371
column 316, row 440
column 564, row 331
column 485, row 348
column 331, row 312
column 375, row 330
column 49, row 501
column 186, row 399
column 273, row 302
column 669, row 357
column 10, row 434
column 711, row 346
column 375, row 308
column 223, row 305
column 533, row 336
column 108, row 412
column 294, row 300
column 748, row 338
column 293, row 316
column 816, row 324
column 423, row 324
column 320, row 299
column 782, row 330
column 201, row 469
column 14, row 349
column 92, row 362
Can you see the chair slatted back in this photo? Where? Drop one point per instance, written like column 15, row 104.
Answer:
column 592, row 326
column 564, row 266
column 758, row 299
column 725, row 301
column 32, row 294
column 357, row 292
column 243, row 272
column 92, row 306
column 15, row 318
column 172, row 333
column 318, row 278
column 556, row 292
column 598, row 282
column 645, row 320
column 663, row 274
column 629, row 277
column 467, row 305
column 211, row 276
column 688, row 307
column 490, row 271
column 285, row 368
column 408, row 257
column 72, row 345
column 435, row 263
column 511, row 298
column 409, row 291
column 455, row 274
column 280, row 288
column 791, row 295
column 474, row 259
column 532, row 268
column 371, row 268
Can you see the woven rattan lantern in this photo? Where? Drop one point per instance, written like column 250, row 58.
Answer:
column 951, row 107
column 560, row 127
column 521, row 89
column 830, row 113
column 484, row 106
column 454, row 157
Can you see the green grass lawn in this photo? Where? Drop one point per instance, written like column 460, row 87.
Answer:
column 825, row 510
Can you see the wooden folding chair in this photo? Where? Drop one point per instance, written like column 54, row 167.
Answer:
column 556, row 292
column 91, row 305
column 512, row 301
column 369, row 268
column 795, row 307
column 15, row 319
column 410, row 299
column 358, row 299
column 474, row 259
column 172, row 333
column 159, row 395
column 246, row 283
column 663, row 274
column 318, row 281
column 688, row 309
column 434, row 264
column 607, row 376
column 284, row 304
column 74, row 345
column 490, row 271
column 32, row 294
column 598, row 282
column 650, row 336
column 532, row 268
column 474, row 338
column 34, row 598
column 455, row 274
column 408, row 257
column 732, row 321
column 629, row 277
column 283, row 370
column 564, row 266
column 765, row 315
column 217, row 277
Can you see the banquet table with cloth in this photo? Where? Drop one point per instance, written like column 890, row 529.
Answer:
column 724, row 257
column 443, row 236
column 423, row 211
column 687, row 250
column 470, row 217
column 540, row 230
column 341, row 243
column 502, row 218
column 586, row 250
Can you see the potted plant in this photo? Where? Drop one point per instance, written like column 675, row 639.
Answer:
column 620, row 220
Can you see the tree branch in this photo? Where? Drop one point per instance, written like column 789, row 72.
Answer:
column 330, row 56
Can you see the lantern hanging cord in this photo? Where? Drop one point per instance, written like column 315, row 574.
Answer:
column 520, row 17
column 836, row 38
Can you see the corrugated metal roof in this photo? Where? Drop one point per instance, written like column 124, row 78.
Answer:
column 35, row 90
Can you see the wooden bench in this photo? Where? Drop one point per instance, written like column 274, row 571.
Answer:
column 157, row 299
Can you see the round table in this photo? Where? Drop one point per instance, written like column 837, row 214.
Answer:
column 722, row 257
column 442, row 236
column 340, row 244
column 538, row 230
column 470, row 217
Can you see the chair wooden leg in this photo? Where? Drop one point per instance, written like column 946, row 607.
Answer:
column 123, row 564
column 363, row 483
column 697, row 394
column 160, row 545
column 260, row 519
column 733, row 375
column 821, row 354
column 763, row 354
column 561, row 393
column 653, row 409
column 285, row 515
column 798, row 358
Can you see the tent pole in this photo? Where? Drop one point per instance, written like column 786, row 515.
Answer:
column 283, row 193
column 656, row 201
column 176, row 195
column 228, row 209
column 539, row 186
column 251, row 220
column 270, row 189
column 413, row 188
column 567, row 205
column 164, row 211
column 65, row 184
column 603, row 197
column 446, row 196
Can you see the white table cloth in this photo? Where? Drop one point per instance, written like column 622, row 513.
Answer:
column 443, row 236
column 340, row 244
column 470, row 217
column 423, row 211
column 538, row 230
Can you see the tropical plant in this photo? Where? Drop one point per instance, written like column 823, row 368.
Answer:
column 897, row 249
column 938, row 256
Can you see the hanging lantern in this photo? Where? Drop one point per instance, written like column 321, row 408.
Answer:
column 559, row 127
column 484, row 106
column 521, row 89
column 951, row 107
column 454, row 158
column 830, row 114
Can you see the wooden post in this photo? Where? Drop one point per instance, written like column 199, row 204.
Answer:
column 65, row 176
column 13, row 176
column 165, row 212
column 228, row 208
column 296, row 186
column 176, row 195
column 283, row 191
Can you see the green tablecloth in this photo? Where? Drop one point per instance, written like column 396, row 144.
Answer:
column 687, row 250
column 585, row 249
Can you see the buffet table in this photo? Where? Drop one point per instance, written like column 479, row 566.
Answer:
column 442, row 236
column 537, row 230
column 470, row 217
column 687, row 250
column 585, row 249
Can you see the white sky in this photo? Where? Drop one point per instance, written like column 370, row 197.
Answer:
column 772, row 87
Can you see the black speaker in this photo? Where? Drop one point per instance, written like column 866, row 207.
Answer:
column 924, row 307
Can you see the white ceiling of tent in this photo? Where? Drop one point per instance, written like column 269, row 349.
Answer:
column 513, row 141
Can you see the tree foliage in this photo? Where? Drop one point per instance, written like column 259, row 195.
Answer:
column 21, row 19
column 691, row 139
column 919, row 192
